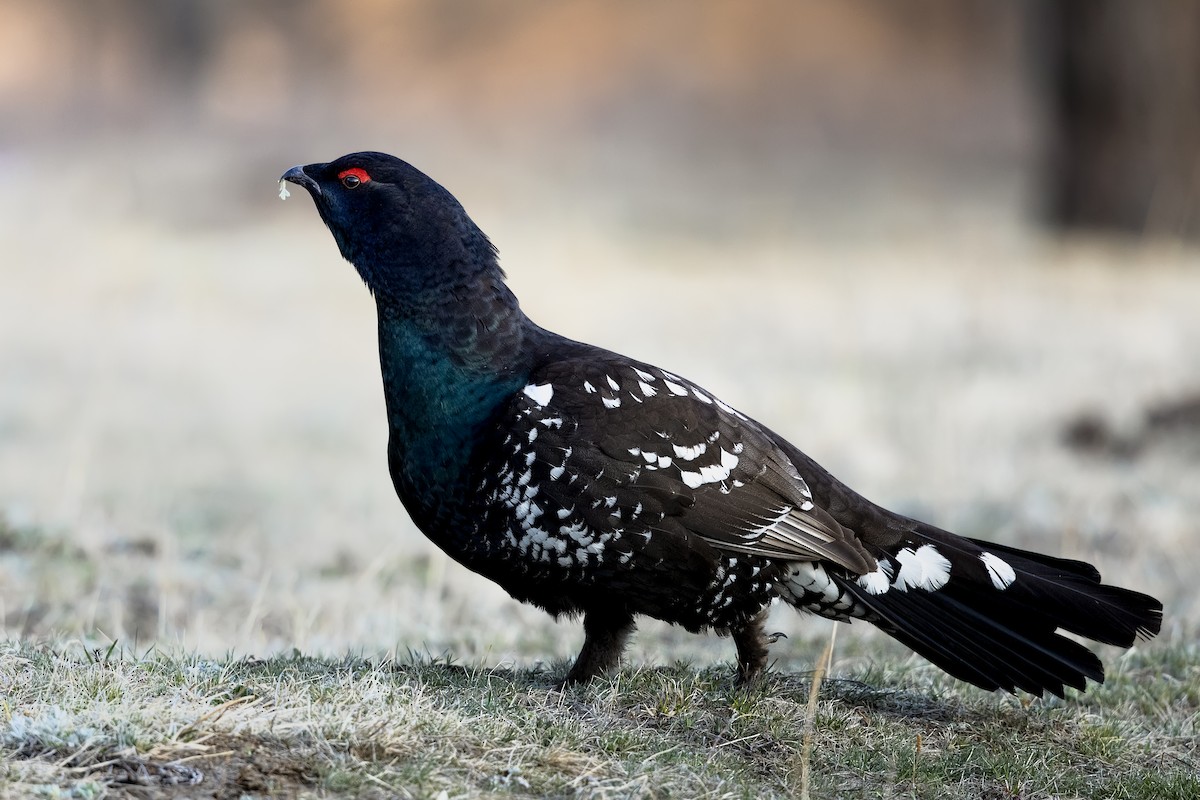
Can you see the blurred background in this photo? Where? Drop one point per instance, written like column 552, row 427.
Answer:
column 948, row 247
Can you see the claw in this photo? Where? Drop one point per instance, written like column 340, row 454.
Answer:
column 772, row 638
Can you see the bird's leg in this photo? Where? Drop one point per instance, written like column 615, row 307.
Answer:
column 752, row 641
column 605, row 634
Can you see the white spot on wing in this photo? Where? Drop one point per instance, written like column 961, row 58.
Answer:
column 646, row 376
column 925, row 568
column 713, row 473
column 647, row 389
column 675, row 388
column 587, row 387
column 689, row 453
column 612, row 383
column 999, row 570
column 540, row 394
column 611, row 402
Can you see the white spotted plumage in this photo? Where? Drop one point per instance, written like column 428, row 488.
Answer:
column 924, row 568
column 577, row 518
column 878, row 580
column 540, row 394
column 712, row 473
column 999, row 571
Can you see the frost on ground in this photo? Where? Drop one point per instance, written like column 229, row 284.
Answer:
column 150, row 725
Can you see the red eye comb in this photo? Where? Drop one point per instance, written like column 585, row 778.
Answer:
column 361, row 174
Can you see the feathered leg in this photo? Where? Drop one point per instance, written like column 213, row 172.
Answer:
column 751, row 642
column 605, row 635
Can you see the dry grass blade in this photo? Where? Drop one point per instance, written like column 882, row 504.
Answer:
column 216, row 713
column 810, row 719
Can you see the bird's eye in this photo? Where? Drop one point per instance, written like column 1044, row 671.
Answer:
column 353, row 178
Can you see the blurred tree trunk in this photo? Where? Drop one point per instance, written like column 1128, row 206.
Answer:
column 1124, row 97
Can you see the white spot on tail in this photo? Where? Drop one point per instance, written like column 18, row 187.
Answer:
column 879, row 581
column 999, row 570
column 925, row 568
column 539, row 394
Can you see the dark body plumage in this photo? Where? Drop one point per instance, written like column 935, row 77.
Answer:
column 588, row 483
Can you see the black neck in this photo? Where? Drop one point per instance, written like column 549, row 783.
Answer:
column 448, row 362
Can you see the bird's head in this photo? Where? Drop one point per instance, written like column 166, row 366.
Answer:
column 404, row 233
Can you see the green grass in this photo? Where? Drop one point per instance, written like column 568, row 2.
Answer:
column 93, row 723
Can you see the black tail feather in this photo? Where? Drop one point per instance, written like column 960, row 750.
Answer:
column 1008, row 638
column 1070, row 594
column 980, row 649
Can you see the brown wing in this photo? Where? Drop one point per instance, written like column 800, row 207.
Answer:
column 641, row 448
